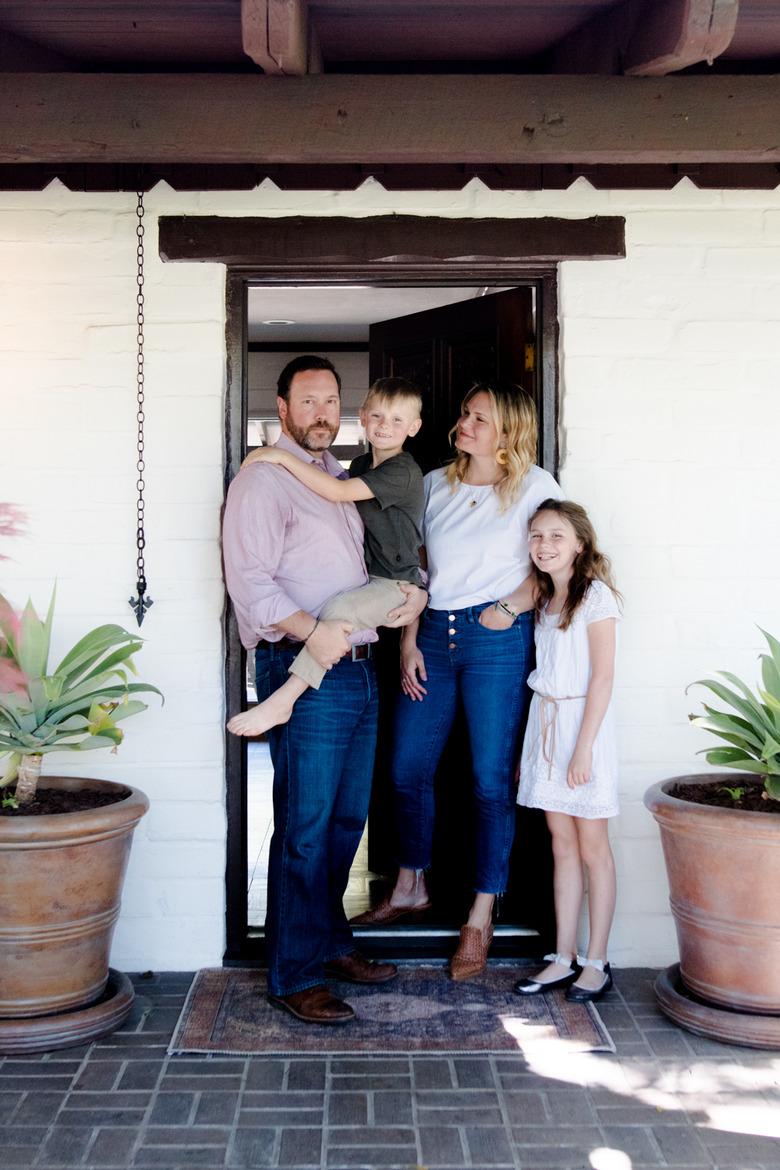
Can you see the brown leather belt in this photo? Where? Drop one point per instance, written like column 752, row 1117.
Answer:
column 358, row 653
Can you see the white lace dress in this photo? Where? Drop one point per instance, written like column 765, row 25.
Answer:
column 560, row 682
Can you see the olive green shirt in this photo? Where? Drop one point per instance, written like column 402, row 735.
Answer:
column 393, row 519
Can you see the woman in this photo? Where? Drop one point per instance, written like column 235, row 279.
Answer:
column 472, row 644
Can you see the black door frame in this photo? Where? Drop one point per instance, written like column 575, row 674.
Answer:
column 245, row 945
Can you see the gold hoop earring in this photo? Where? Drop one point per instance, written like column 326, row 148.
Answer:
column 502, row 457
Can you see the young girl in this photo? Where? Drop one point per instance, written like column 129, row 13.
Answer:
column 569, row 765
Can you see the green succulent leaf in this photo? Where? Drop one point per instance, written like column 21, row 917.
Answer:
column 774, row 646
column 78, row 707
column 762, row 714
column 38, row 697
column 720, row 723
column 95, row 741
column 770, row 700
column 772, row 787
column 106, row 695
column 14, row 709
column 86, row 653
column 11, row 768
column 129, row 708
column 749, row 708
column 33, row 643
column 733, row 758
column 771, row 748
column 770, row 674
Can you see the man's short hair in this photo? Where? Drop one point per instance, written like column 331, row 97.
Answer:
column 299, row 365
column 394, row 390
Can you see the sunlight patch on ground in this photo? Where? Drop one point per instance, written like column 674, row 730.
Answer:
column 760, row 1120
column 607, row 1158
column 530, row 1036
column 727, row 1095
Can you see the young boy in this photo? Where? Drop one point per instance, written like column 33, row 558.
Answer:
column 386, row 484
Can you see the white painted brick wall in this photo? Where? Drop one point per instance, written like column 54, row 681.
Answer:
column 670, row 366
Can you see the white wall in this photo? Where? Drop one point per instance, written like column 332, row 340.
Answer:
column 670, row 368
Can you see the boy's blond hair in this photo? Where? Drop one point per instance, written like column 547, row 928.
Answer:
column 394, row 390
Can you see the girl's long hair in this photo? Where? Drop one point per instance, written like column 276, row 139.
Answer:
column 514, row 415
column 590, row 564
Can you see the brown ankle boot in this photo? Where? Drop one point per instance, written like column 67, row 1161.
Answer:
column 470, row 958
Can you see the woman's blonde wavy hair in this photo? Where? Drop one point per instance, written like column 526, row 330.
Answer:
column 514, row 416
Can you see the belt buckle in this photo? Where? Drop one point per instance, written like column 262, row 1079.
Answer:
column 361, row 652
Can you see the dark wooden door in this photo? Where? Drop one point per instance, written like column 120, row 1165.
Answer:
column 445, row 351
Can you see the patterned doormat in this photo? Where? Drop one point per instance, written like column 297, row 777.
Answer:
column 421, row 1011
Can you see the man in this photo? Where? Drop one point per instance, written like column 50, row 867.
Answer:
column 286, row 552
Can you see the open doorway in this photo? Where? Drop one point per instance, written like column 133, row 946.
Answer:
column 351, row 254
column 443, row 338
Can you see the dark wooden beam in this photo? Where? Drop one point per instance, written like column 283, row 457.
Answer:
column 161, row 118
column 20, row 55
column 648, row 37
column 348, row 177
column 280, row 37
column 393, row 242
column 674, row 34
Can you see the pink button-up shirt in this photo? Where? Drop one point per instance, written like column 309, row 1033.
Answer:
column 286, row 548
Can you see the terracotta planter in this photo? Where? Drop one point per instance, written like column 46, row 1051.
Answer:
column 724, row 877
column 61, row 880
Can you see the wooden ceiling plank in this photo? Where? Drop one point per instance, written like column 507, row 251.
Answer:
column 674, row 34
column 342, row 118
column 280, row 37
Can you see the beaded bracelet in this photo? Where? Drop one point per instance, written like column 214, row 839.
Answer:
column 503, row 605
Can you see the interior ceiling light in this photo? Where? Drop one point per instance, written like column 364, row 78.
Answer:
column 278, row 321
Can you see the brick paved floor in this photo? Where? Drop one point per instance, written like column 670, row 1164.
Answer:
column 667, row 1099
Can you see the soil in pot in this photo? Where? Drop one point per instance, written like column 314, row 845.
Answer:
column 50, row 801
column 753, row 797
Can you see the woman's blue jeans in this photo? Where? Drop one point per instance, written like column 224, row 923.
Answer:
column 487, row 670
column 323, row 764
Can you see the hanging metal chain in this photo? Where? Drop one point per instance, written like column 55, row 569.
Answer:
column 141, row 603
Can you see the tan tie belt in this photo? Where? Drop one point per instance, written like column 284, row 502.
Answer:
column 548, row 713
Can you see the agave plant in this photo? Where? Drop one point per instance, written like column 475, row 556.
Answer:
column 752, row 726
column 75, row 708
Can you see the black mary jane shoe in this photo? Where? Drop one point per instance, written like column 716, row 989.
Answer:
column 588, row 994
column 534, row 987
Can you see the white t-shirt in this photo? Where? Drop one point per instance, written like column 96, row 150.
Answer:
column 476, row 553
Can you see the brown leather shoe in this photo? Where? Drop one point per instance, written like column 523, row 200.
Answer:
column 355, row 968
column 315, row 1005
column 384, row 913
column 470, row 958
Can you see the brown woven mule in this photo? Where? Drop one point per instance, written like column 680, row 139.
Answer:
column 470, row 958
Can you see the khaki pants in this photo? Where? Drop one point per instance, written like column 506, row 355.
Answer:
column 366, row 608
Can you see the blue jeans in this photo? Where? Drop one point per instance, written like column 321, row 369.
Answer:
column 323, row 764
column 487, row 670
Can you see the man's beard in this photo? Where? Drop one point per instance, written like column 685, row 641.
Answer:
column 303, row 436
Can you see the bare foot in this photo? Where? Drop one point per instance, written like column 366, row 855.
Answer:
column 410, row 890
column 275, row 710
